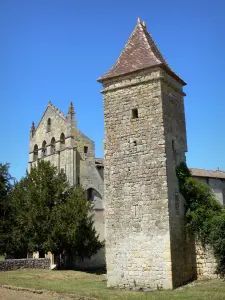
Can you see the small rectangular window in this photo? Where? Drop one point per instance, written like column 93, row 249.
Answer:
column 85, row 149
column 173, row 145
column 134, row 113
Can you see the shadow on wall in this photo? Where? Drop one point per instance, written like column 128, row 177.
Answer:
column 95, row 197
column 96, row 264
column 184, row 260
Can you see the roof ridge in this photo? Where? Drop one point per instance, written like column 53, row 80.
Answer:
column 118, row 59
column 208, row 170
column 58, row 111
column 139, row 53
column 152, row 44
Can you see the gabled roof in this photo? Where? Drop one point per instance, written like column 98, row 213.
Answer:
column 194, row 172
column 56, row 110
column 139, row 53
column 59, row 112
column 207, row 173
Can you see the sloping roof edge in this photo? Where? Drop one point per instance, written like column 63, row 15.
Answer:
column 195, row 172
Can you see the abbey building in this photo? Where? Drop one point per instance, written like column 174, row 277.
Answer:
column 137, row 205
column 57, row 139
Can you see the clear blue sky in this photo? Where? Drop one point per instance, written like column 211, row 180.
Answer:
column 52, row 49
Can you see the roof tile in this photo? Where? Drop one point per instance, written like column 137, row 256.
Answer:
column 207, row 173
column 139, row 53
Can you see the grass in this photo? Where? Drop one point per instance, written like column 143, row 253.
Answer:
column 85, row 284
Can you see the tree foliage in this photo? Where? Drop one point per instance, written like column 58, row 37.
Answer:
column 49, row 215
column 205, row 216
column 5, row 206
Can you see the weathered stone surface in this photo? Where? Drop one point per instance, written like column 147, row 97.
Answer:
column 14, row 264
column 76, row 156
column 205, row 262
column 145, row 138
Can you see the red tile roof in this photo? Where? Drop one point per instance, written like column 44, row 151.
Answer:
column 139, row 53
column 195, row 172
column 99, row 162
column 207, row 173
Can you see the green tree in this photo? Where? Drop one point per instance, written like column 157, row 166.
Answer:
column 5, row 207
column 51, row 216
column 205, row 216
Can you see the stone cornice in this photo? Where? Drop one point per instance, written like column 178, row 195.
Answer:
column 142, row 78
column 56, row 152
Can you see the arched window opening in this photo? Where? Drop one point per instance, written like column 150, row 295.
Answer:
column 35, row 152
column 49, row 124
column 44, row 149
column 62, row 141
column 53, row 145
column 90, row 194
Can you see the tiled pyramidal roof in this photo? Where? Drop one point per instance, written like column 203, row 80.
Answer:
column 139, row 53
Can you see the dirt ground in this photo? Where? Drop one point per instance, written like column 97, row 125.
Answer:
column 10, row 294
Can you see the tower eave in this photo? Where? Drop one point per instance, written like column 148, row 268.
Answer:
column 106, row 77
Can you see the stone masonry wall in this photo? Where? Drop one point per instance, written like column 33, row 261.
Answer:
column 77, row 159
column 14, row 264
column 182, row 247
column 135, row 184
column 218, row 187
column 205, row 262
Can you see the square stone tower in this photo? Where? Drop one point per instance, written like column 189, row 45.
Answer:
column 145, row 138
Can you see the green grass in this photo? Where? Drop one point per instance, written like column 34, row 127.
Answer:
column 84, row 284
column 2, row 257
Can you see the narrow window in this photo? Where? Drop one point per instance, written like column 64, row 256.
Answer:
column 177, row 204
column 134, row 113
column 53, row 145
column 135, row 143
column 49, row 125
column 44, row 149
column 90, row 194
column 85, row 149
column 173, row 145
column 35, row 157
column 135, row 210
column 78, row 181
column 62, row 141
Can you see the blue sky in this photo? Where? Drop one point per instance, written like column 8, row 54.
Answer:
column 56, row 50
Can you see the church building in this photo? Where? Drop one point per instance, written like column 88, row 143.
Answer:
column 57, row 139
column 137, row 206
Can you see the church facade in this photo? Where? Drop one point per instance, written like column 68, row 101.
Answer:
column 57, row 139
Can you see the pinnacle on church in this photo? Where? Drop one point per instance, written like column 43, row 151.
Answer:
column 71, row 115
column 32, row 126
column 32, row 129
column 139, row 53
column 71, row 109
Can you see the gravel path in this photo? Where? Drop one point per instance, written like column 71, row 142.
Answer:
column 10, row 294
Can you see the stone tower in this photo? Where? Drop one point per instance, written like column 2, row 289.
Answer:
column 145, row 138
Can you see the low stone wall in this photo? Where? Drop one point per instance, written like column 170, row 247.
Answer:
column 205, row 262
column 29, row 263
